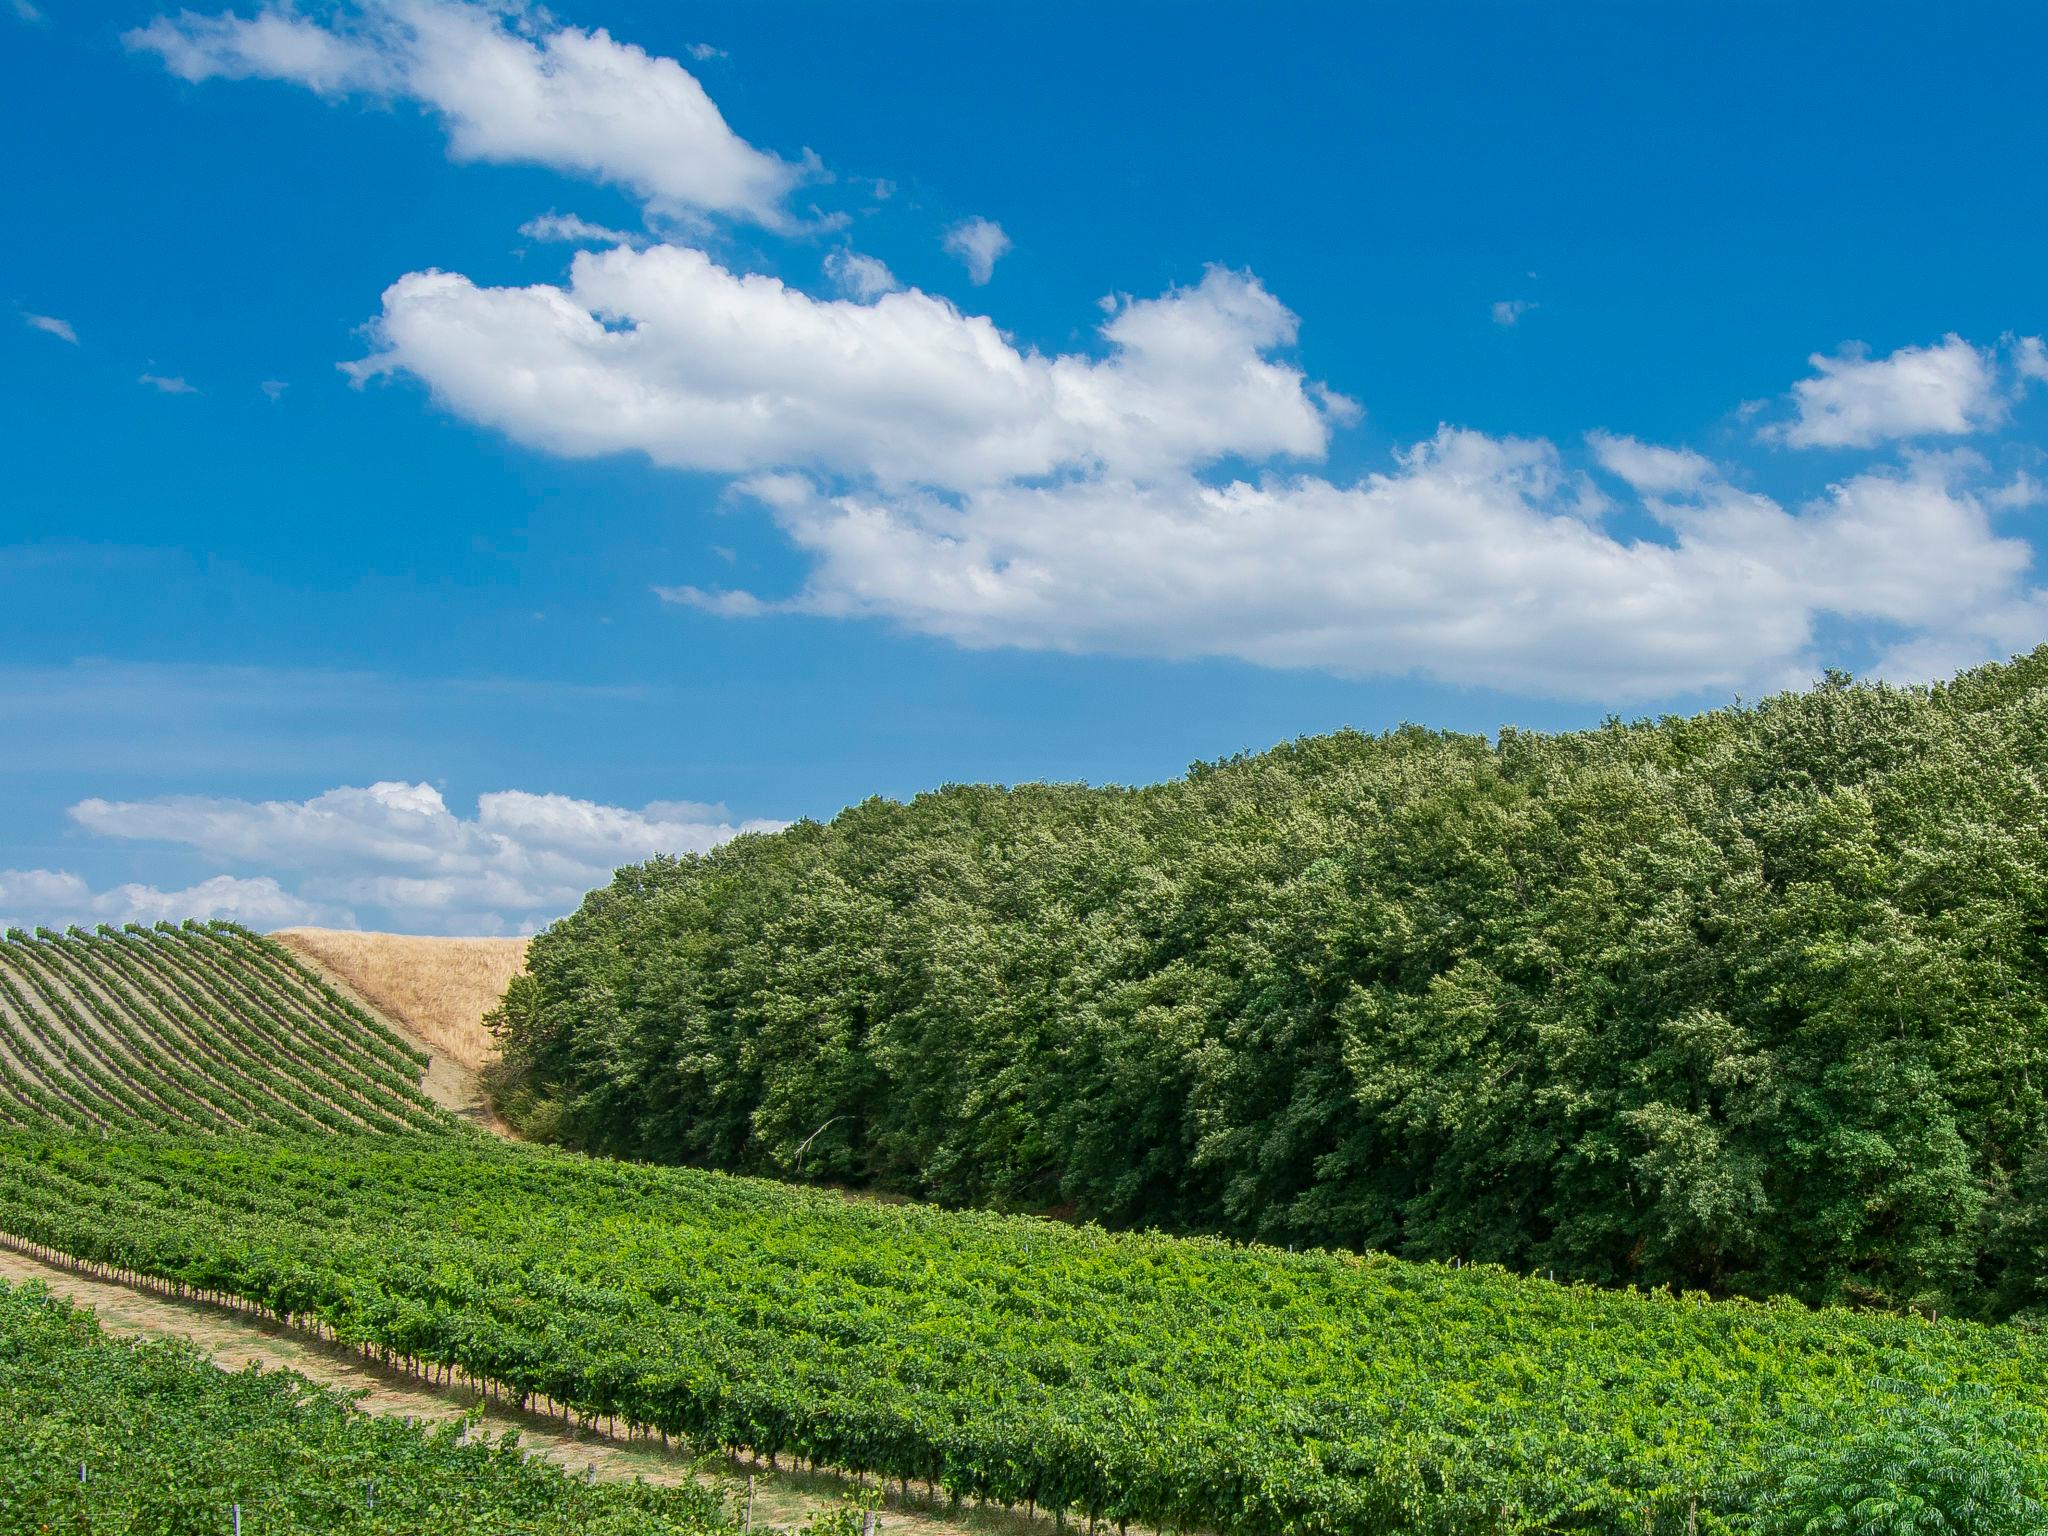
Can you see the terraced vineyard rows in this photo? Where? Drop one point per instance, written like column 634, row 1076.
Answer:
column 1183, row 1383
column 193, row 1029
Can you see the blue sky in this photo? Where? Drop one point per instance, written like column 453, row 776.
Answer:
column 955, row 392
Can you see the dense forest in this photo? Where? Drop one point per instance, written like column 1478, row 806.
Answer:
column 1751, row 1001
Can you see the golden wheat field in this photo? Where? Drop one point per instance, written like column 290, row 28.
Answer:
column 439, row 989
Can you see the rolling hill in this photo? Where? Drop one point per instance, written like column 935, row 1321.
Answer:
column 195, row 1029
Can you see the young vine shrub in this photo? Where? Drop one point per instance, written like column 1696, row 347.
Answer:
column 1190, row 1384
column 1935, row 1459
column 127, row 1438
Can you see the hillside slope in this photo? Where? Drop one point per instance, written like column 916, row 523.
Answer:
column 195, row 1029
column 1754, row 1001
column 438, row 989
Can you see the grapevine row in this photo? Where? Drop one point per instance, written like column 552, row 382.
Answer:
column 239, row 1050
column 193, row 1029
column 274, row 961
column 135, row 1436
column 304, row 1061
column 1175, row 1383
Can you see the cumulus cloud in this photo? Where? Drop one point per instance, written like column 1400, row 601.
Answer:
column 511, row 87
column 521, row 859
column 979, row 243
column 1473, row 560
column 1131, row 496
column 666, row 353
column 1854, row 400
column 860, row 277
column 941, row 477
column 51, row 898
column 50, row 325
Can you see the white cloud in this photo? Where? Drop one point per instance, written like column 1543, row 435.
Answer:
column 260, row 903
column 1475, row 560
column 2018, row 493
column 50, row 325
column 940, row 477
column 51, row 898
column 1509, row 311
column 571, row 230
column 510, row 86
column 704, row 52
column 26, row 11
column 274, row 389
column 1649, row 469
column 32, row 891
column 2029, row 361
column 1857, row 401
column 397, row 847
column 979, row 243
column 860, row 277
column 166, row 385
column 666, row 353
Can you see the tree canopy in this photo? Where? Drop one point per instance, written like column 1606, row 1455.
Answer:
column 1751, row 1001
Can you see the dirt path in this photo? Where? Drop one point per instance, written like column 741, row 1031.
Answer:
column 784, row 1498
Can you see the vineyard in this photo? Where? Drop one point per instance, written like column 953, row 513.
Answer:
column 1184, row 1384
column 196, row 1029
column 120, row 1438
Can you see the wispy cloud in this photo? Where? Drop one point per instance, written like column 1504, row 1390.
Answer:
column 158, row 722
column 979, row 243
column 860, row 277
column 1510, row 311
column 50, row 325
column 571, row 230
column 1649, row 469
column 167, row 385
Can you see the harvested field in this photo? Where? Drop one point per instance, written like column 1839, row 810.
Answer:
column 438, row 989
